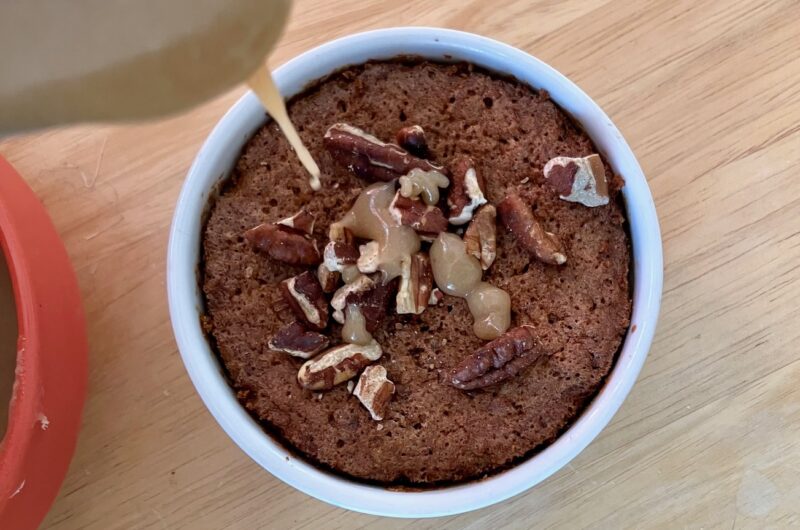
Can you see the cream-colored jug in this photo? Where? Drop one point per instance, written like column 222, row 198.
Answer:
column 117, row 60
column 121, row 60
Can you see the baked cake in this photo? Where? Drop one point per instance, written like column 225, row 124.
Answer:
column 422, row 400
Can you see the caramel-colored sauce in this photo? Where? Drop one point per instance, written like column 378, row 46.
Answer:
column 370, row 218
column 491, row 308
column 262, row 84
column 354, row 330
column 459, row 274
column 350, row 273
column 425, row 183
column 456, row 272
column 96, row 61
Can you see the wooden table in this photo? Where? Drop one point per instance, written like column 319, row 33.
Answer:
column 708, row 95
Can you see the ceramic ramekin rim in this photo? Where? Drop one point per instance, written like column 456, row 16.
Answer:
column 186, row 302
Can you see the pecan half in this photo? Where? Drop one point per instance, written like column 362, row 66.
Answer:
column 518, row 218
column 416, row 285
column 304, row 295
column 581, row 180
column 369, row 158
column 428, row 221
column 374, row 391
column 284, row 243
column 302, row 221
column 412, row 139
column 328, row 279
column 497, row 360
column 480, row 238
column 296, row 340
column 341, row 250
column 467, row 191
column 337, row 365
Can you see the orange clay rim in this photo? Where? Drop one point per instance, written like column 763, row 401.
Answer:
column 51, row 370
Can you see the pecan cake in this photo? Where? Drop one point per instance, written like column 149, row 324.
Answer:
column 449, row 301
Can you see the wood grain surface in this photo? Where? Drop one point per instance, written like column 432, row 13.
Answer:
column 708, row 95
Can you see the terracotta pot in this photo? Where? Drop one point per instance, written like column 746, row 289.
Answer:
column 51, row 366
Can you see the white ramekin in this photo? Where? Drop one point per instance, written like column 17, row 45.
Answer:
column 217, row 157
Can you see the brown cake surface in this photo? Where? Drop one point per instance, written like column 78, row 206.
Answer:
column 432, row 432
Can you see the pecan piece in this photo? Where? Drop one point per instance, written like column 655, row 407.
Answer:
column 416, row 285
column 412, row 139
column 369, row 158
column 296, row 340
column 341, row 250
column 518, row 218
column 480, row 238
column 436, row 296
column 328, row 279
column 284, row 242
column 369, row 258
column 467, row 191
column 304, row 295
column 373, row 303
column 428, row 221
column 371, row 297
column 580, row 180
column 302, row 221
column 497, row 360
column 374, row 391
column 362, row 284
column 337, row 365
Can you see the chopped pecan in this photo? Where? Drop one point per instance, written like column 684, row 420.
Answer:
column 284, row 243
column 416, row 284
column 304, row 295
column 412, row 139
column 436, row 296
column 428, row 221
column 369, row 258
column 498, row 360
column 480, row 237
column 296, row 340
column 302, row 221
column 341, row 250
column 362, row 284
column 518, row 218
column 580, row 180
column 467, row 191
column 374, row 303
column 371, row 297
column 337, row 365
column 369, row 158
column 423, row 183
column 374, row 391
column 328, row 279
